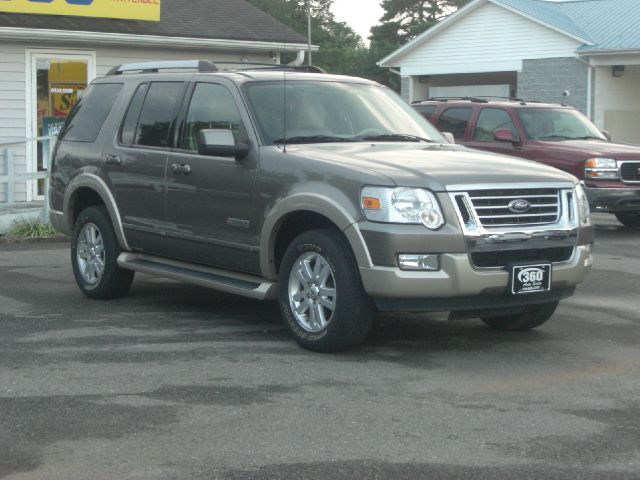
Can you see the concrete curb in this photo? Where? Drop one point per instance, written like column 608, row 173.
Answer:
column 27, row 240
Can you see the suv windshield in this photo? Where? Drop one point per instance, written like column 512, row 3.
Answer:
column 321, row 111
column 557, row 124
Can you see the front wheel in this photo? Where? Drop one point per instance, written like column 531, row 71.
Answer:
column 629, row 219
column 322, row 300
column 94, row 256
column 533, row 316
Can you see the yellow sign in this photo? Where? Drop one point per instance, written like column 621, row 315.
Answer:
column 129, row 9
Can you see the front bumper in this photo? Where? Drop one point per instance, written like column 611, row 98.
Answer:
column 458, row 278
column 613, row 199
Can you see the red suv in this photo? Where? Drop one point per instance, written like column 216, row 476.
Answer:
column 551, row 134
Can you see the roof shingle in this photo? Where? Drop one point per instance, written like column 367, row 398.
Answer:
column 210, row 19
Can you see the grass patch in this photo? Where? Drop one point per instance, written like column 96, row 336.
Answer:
column 31, row 228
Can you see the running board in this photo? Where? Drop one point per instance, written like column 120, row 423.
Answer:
column 230, row 282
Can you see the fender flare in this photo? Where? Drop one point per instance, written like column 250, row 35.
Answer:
column 316, row 203
column 95, row 183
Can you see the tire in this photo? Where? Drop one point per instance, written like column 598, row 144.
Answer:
column 532, row 317
column 94, row 243
column 629, row 219
column 319, row 272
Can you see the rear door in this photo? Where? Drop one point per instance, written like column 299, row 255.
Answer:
column 454, row 120
column 136, row 164
column 210, row 213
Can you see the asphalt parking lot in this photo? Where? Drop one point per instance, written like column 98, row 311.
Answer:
column 179, row 382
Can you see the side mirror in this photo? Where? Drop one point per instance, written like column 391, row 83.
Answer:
column 220, row 143
column 448, row 136
column 505, row 135
column 606, row 134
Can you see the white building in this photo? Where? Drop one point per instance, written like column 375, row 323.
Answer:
column 535, row 50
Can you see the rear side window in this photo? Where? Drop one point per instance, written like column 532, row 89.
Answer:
column 128, row 132
column 425, row 110
column 158, row 114
column 490, row 120
column 89, row 114
column 455, row 121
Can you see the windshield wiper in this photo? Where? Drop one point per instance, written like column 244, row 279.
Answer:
column 589, row 137
column 312, row 139
column 557, row 137
column 398, row 137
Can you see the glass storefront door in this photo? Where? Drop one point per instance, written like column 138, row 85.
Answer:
column 57, row 83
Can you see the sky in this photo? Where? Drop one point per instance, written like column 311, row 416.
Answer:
column 360, row 15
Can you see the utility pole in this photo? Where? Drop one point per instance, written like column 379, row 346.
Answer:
column 309, row 32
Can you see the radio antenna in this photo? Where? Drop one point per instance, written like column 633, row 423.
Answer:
column 284, row 110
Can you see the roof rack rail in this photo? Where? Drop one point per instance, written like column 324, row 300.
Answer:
column 154, row 67
column 476, row 99
column 245, row 66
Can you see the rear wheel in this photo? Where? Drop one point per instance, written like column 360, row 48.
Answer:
column 94, row 255
column 629, row 219
column 322, row 300
column 533, row 316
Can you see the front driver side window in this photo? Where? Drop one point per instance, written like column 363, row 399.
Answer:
column 490, row 120
column 212, row 107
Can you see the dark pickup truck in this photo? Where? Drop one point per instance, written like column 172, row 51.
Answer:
column 555, row 135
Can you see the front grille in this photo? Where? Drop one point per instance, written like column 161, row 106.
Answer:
column 504, row 257
column 492, row 206
column 630, row 171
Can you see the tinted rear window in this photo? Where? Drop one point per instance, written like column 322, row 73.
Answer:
column 158, row 114
column 455, row 121
column 88, row 116
column 425, row 110
column 133, row 114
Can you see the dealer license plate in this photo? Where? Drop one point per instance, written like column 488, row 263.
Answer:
column 530, row 278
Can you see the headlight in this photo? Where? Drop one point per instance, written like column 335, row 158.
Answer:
column 583, row 204
column 601, row 168
column 402, row 205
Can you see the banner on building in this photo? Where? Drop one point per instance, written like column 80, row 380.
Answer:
column 127, row 9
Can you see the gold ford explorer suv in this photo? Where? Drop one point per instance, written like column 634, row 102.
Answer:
column 327, row 193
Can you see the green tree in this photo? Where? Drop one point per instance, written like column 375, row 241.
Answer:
column 341, row 49
column 412, row 17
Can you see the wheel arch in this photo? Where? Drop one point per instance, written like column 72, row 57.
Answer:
column 299, row 213
column 88, row 190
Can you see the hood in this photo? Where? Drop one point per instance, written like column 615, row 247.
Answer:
column 432, row 166
column 594, row 148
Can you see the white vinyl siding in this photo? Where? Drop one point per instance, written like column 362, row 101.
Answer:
column 487, row 39
column 12, row 112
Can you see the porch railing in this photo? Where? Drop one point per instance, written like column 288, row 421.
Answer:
column 7, row 153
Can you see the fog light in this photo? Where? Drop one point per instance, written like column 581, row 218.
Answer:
column 419, row 262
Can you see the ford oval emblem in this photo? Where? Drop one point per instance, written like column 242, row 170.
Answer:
column 520, row 205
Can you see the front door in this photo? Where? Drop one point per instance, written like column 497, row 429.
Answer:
column 57, row 80
column 209, row 198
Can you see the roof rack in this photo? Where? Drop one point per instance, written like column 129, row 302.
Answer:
column 247, row 66
column 204, row 66
column 469, row 99
column 154, row 67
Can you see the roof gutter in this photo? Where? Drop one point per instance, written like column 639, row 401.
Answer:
column 608, row 51
column 83, row 37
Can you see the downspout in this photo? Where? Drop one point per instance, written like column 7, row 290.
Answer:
column 589, row 91
column 587, row 62
column 299, row 61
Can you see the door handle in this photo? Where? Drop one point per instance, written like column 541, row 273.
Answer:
column 112, row 160
column 178, row 169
